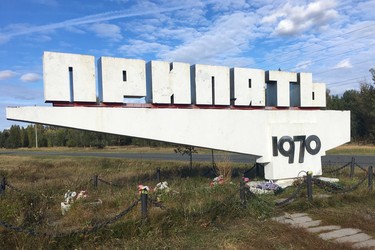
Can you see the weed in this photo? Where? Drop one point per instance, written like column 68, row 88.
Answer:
column 195, row 215
column 224, row 166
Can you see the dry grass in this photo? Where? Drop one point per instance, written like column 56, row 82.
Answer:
column 353, row 149
column 197, row 216
column 224, row 165
column 117, row 149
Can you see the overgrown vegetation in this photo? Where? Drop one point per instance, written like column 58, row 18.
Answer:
column 353, row 149
column 362, row 106
column 197, row 216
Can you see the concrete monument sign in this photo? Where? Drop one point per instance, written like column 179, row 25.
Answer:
column 276, row 115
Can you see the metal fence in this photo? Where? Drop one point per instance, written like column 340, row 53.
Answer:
column 308, row 182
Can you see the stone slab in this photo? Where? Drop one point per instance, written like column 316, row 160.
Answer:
column 299, row 220
column 296, row 215
column 282, row 200
column 365, row 244
column 353, row 238
column 322, row 229
column 280, row 219
column 293, row 218
column 307, row 224
column 339, row 233
column 322, row 196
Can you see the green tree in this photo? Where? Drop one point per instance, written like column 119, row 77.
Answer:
column 334, row 102
column 187, row 150
column 367, row 112
column 1, row 139
column 4, row 139
column 25, row 138
column 362, row 106
column 351, row 100
column 14, row 140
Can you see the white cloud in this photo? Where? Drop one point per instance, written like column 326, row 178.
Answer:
column 303, row 65
column 6, row 74
column 229, row 36
column 344, row 64
column 182, row 33
column 75, row 30
column 295, row 19
column 19, row 92
column 98, row 18
column 270, row 8
column 106, row 30
column 30, row 77
column 230, row 5
column 4, row 39
column 138, row 47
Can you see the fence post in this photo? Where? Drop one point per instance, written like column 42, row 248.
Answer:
column 158, row 175
column 95, row 181
column 144, row 198
column 309, row 186
column 2, row 185
column 352, row 165
column 242, row 193
column 370, row 178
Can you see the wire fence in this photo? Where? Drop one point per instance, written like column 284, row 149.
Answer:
column 77, row 232
column 327, row 186
column 352, row 164
column 244, row 194
column 330, row 187
column 292, row 197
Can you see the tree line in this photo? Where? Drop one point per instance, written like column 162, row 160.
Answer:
column 51, row 136
column 360, row 102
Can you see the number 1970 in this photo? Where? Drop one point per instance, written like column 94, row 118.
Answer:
column 305, row 143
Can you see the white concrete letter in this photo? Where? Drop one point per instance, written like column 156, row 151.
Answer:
column 248, row 87
column 212, row 85
column 120, row 77
column 69, row 77
column 278, row 86
column 170, row 82
column 312, row 94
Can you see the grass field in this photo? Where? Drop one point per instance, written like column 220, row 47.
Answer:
column 353, row 149
column 347, row 149
column 196, row 216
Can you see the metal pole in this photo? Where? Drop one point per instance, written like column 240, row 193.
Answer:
column 242, row 193
column 370, row 178
column 352, row 165
column 2, row 185
column 309, row 186
column 36, row 136
column 158, row 175
column 95, row 181
column 144, row 197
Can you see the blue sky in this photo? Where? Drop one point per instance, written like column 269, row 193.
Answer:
column 335, row 40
